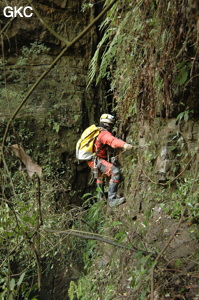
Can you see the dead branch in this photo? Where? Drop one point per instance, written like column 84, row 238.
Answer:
column 93, row 236
column 36, row 253
column 37, row 187
column 31, row 167
column 37, row 257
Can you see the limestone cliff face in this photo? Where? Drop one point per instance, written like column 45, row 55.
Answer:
column 50, row 123
column 61, row 106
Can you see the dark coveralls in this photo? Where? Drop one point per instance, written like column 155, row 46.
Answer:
column 104, row 167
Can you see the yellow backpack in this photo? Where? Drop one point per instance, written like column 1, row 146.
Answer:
column 84, row 146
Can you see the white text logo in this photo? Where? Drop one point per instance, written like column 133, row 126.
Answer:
column 10, row 11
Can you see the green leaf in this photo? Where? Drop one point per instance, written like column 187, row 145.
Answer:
column 76, row 117
column 12, row 284
column 180, row 116
column 183, row 77
column 178, row 262
column 56, row 127
column 99, row 189
column 186, row 116
column 19, row 282
column 86, row 195
column 117, row 223
column 121, row 235
column 181, row 64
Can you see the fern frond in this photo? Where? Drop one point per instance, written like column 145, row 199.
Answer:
column 94, row 61
column 110, row 52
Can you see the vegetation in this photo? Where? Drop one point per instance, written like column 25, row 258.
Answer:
column 53, row 229
column 146, row 60
column 151, row 74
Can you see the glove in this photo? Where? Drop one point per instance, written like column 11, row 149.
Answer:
column 127, row 146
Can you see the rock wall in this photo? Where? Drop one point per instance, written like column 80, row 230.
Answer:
column 61, row 106
column 49, row 124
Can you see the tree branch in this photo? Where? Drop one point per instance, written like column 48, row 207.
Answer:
column 94, row 236
column 59, row 37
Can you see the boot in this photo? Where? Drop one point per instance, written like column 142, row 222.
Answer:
column 113, row 199
column 117, row 201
